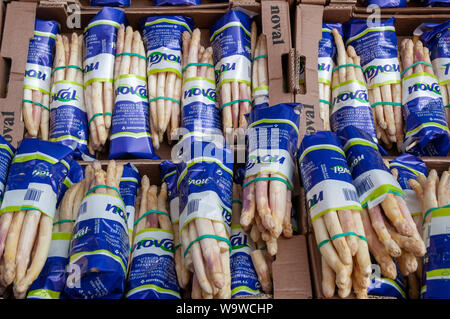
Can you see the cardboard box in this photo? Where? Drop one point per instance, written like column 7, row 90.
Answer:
column 273, row 20
column 440, row 164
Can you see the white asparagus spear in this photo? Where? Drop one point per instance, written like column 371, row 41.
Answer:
column 10, row 251
column 328, row 279
column 45, row 118
column 37, row 110
column 277, row 198
column 119, row 50
column 98, row 108
column 160, row 103
column 73, row 58
column 341, row 54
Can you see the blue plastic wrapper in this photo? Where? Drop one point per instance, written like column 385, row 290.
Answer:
column 387, row 3
column 436, row 3
column 177, row 2
column 350, row 105
column 7, row 152
column 272, row 141
column 327, row 53
column 325, row 175
column 76, row 174
column 99, row 249
column 381, row 286
column 41, row 51
column 129, row 184
column 231, row 43
column 372, row 179
column 110, row 3
column 36, row 175
column 170, row 176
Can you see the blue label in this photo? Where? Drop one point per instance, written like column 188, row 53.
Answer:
column 169, row 176
column 110, row 3
column 6, row 155
column 408, row 167
column 384, row 287
column 436, row 3
column 327, row 47
column 75, row 175
column 388, row 3
column 42, row 47
column 436, row 37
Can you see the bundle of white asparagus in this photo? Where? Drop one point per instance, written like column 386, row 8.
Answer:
column 348, row 75
column 262, row 261
column 68, row 76
column 433, row 192
column 260, row 72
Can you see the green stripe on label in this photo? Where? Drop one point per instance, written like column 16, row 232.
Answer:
column 44, row 294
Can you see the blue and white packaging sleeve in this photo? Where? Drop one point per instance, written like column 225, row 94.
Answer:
column 436, row 283
column 130, row 128
column 371, row 177
column 36, row 174
column 152, row 271
column 377, row 47
column 436, row 37
column 385, row 287
column 350, row 107
column 51, row 281
column 162, row 40
column 99, row 249
column 230, row 40
column 129, row 184
column 7, row 152
column 326, row 175
column 409, row 167
column 272, row 138
column 244, row 279
column 100, row 38
column 41, row 51
column 170, row 176
column 200, row 109
column 75, row 175
column 425, row 117
column 387, row 3
column 177, row 2
column 68, row 119
column 327, row 53
column 110, row 3
column 205, row 185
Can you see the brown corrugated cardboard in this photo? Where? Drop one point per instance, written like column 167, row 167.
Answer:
column 273, row 20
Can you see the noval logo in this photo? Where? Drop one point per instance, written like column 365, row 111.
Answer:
column 264, row 160
column 140, row 90
column 114, row 209
column 226, row 214
column 339, row 169
column 225, row 68
column 65, row 95
column 210, row 93
column 165, row 244
column 359, row 95
column 424, row 87
column 316, row 198
column 324, row 67
column 373, row 70
column 238, row 240
column 447, row 68
column 91, row 67
column 82, row 232
column 35, row 74
column 157, row 57
column 356, row 161
column 198, row 182
column 41, row 173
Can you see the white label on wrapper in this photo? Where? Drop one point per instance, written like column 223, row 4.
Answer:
column 158, row 242
column 441, row 67
column 412, row 202
column 99, row 67
column 103, row 206
column 175, row 210
column 369, row 181
column 353, row 94
column 67, row 93
column 59, row 247
column 271, row 161
column 326, row 65
column 420, row 86
column 206, row 205
column 131, row 89
column 199, row 91
column 379, row 71
column 233, row 68
column 37, row 77
column 37, row 196
column 130, row 219
column 331, row 195
column 164, row 60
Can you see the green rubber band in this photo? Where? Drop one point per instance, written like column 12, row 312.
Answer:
column 324, row 101
column 132, row 54
column 338, row 236
column 260, row 57
column 176, row 247
column 237, row 201
column 152, row 211
column 199, row 64
column 446, row 106
column 102, row 186
column 386, row 103
column 268, row 179
column 164, row 98
column 66, row 67
column 62, row 221
column 36, row 103
column 347, row 65
column 207, row 236
column 413, row 65
column 263, row 247
column 98, row 114
column 432, row 210
column 235, row 101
